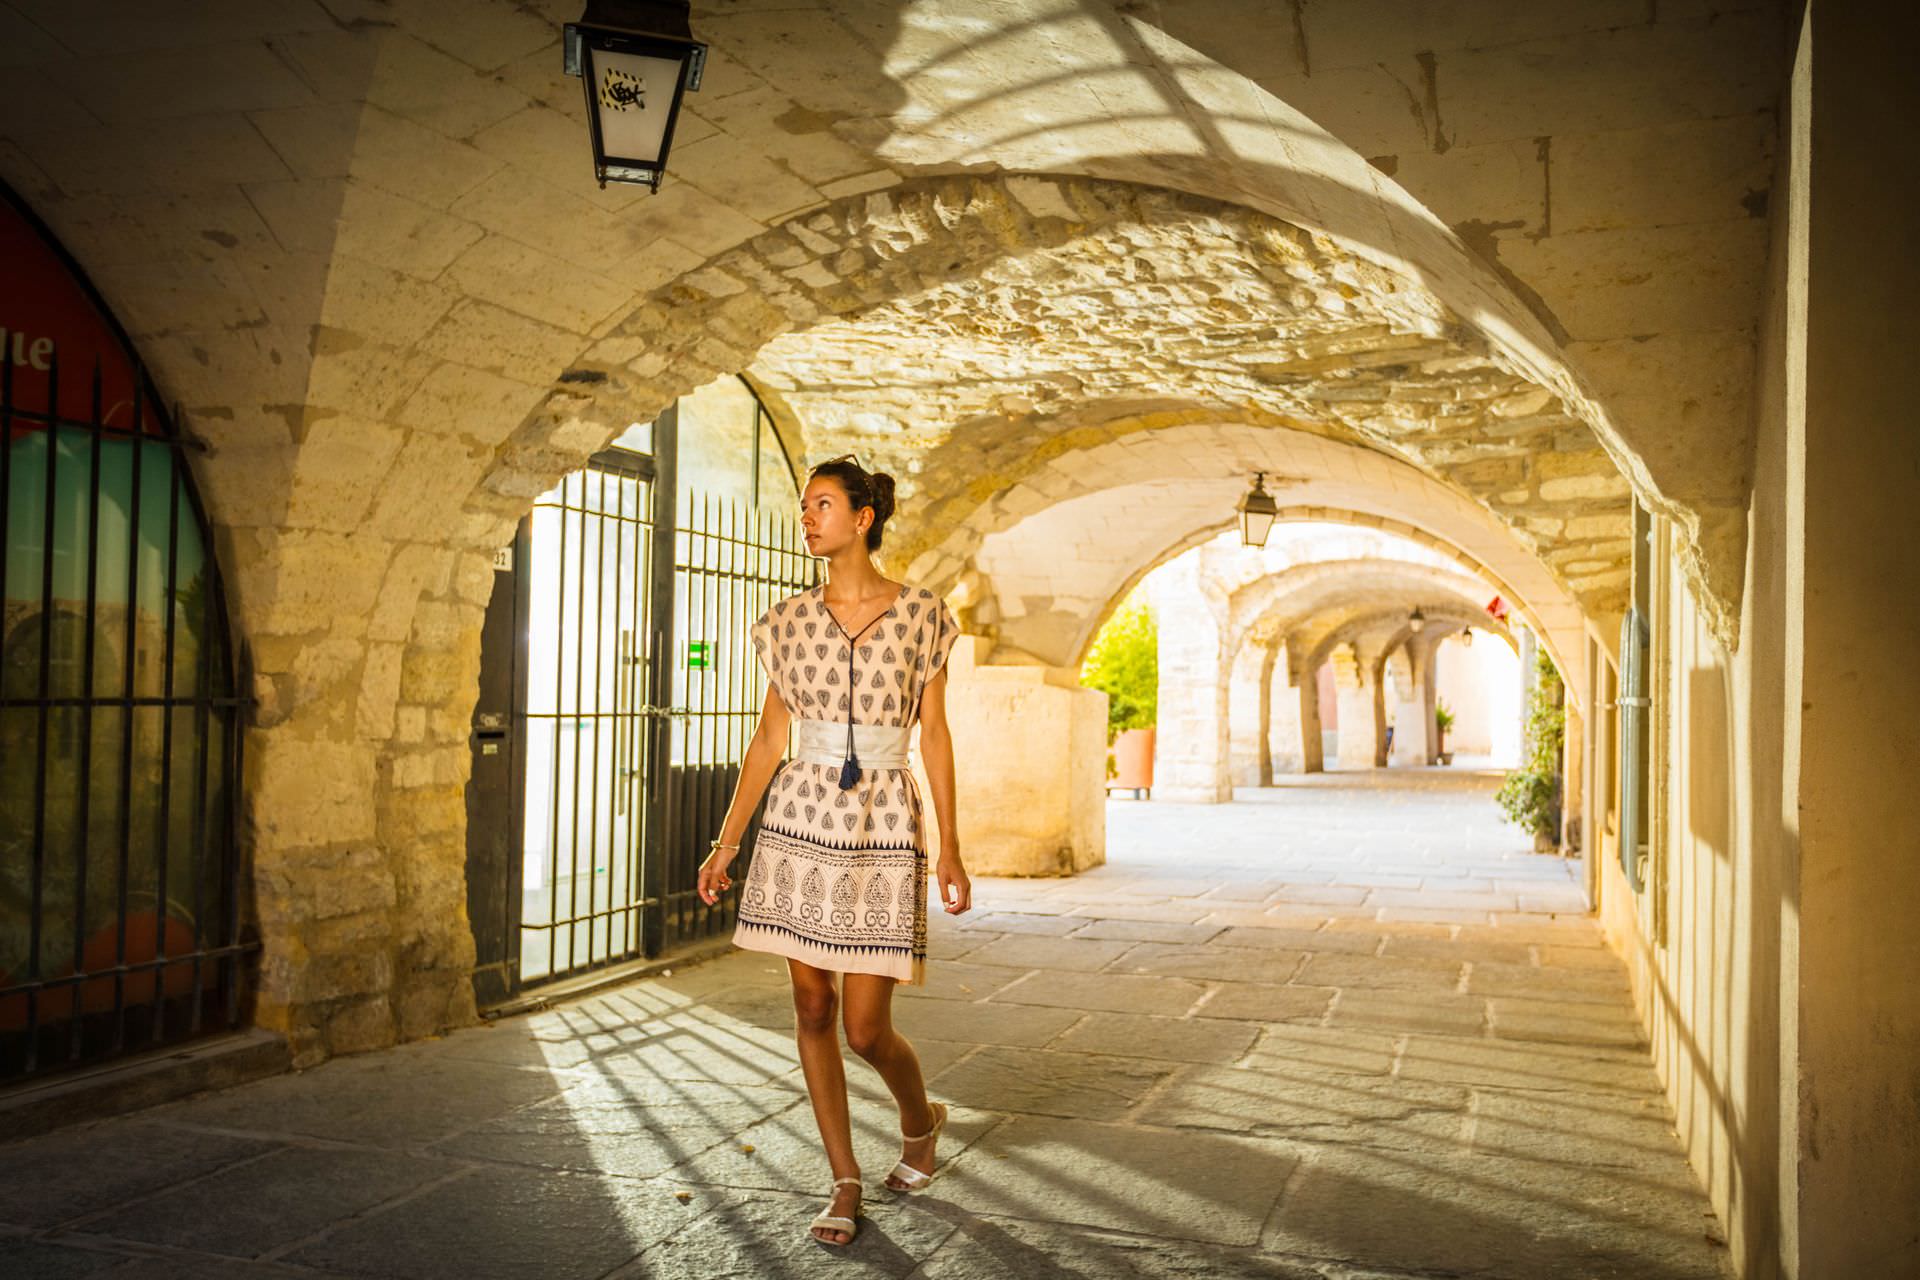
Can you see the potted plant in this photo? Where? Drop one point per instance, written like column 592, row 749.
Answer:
column 1442, row 721
column 1531, row 794
column 1124, row 662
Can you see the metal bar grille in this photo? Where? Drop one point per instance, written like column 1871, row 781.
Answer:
column 119, row 859
column 580, row 724
column 730, row 564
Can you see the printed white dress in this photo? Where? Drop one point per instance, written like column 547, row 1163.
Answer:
column 838, row 879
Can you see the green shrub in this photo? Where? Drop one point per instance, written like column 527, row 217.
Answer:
column 1125, row 662
column 1530, row 796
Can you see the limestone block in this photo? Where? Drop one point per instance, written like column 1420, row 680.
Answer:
column 302, row 579
column 384, row 305
column 1495, row 190
column 415, row 568
column 1690, row 171
column 306, row 793
column 484, row 336
column 522, row 278
column 688, row 216
column 202, row 152
column 362, row 222
column 376, row 147
column 379, row 691
column 403, row 74
column 432, row 475
column 350, row 375
column 430, row 1003
column 458, row 400
column 437, row 678
column 1359, row 32
column 1691, row 391
column 1626, row 77
column 340, row 466
column 352, row 973
column 360, row 1026
column 1612, row 284
column 424, row 812
column 410, row 724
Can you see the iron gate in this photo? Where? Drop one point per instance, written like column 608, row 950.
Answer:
column 731, row 563
column 618, row 693
column 120, row 739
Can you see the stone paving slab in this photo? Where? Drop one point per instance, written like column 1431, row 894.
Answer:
column 1032, row 951
column 258, row 1207
column 1181, row 1184
column 1143, row 1084
column 1112, row 992
column 1147, row 931
column 504, row 1223
column 994, row 1023
column 1050, row 1083
column 1167, row 1039
column 1210, row 963
column 1327, row 1107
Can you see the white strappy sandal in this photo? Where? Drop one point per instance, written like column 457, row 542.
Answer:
column 832, row 1222
column 904, row 1172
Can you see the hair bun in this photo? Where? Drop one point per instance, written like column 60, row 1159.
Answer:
column 882, row 486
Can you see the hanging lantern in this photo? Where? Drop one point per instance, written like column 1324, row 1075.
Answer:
column 1257, row 511
column 1416, row 620
column 637, row 58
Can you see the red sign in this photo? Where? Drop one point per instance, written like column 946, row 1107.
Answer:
column 49, row 316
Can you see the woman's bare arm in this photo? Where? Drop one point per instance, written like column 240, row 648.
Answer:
column 763, row 756
column 936, row 750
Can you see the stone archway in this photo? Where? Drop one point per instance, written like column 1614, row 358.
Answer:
column 415, row 263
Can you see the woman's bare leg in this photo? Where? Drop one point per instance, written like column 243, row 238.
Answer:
column 814, row 1002
column 868, row 1011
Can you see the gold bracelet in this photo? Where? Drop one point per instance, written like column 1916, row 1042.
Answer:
column 715, row 844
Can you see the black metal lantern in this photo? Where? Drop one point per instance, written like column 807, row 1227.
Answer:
column 1416, row 620
column 1257, row 511
column 638, row 58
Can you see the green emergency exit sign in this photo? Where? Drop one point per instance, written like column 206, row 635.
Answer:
column 700, row 655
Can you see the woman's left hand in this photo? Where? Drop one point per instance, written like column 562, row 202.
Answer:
column 956, row 891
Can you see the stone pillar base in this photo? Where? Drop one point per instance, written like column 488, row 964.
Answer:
column 1030, row 766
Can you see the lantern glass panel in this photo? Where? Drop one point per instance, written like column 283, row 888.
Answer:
column 633, row 99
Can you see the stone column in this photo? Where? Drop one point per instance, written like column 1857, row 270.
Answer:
column 1030, row 767
column 1412, row 721
column 1247, row 714
column 1285, row 747
column 1361, row 715
column 1313, row 756
column 1191, row 750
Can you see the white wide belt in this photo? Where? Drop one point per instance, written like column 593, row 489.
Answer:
column 879, row 746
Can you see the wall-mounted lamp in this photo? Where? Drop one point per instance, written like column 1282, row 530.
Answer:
column 637, row 58
column 1257, row 511
column 1416, row 620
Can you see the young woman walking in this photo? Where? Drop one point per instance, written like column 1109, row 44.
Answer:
column 838, row 879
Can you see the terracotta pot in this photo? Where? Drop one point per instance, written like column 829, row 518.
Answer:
column 1133, row 756
column 96, row 995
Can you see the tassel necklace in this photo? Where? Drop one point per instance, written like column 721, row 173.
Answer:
column 850, row 767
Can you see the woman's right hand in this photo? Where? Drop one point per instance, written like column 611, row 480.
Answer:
column 714, row 879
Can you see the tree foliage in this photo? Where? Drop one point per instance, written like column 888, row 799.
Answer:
column 1530, row 796
column 1125, row 662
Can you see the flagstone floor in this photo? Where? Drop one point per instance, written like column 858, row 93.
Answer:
column 1344, row 1029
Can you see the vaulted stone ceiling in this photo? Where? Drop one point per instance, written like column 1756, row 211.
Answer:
column 1106, row 312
